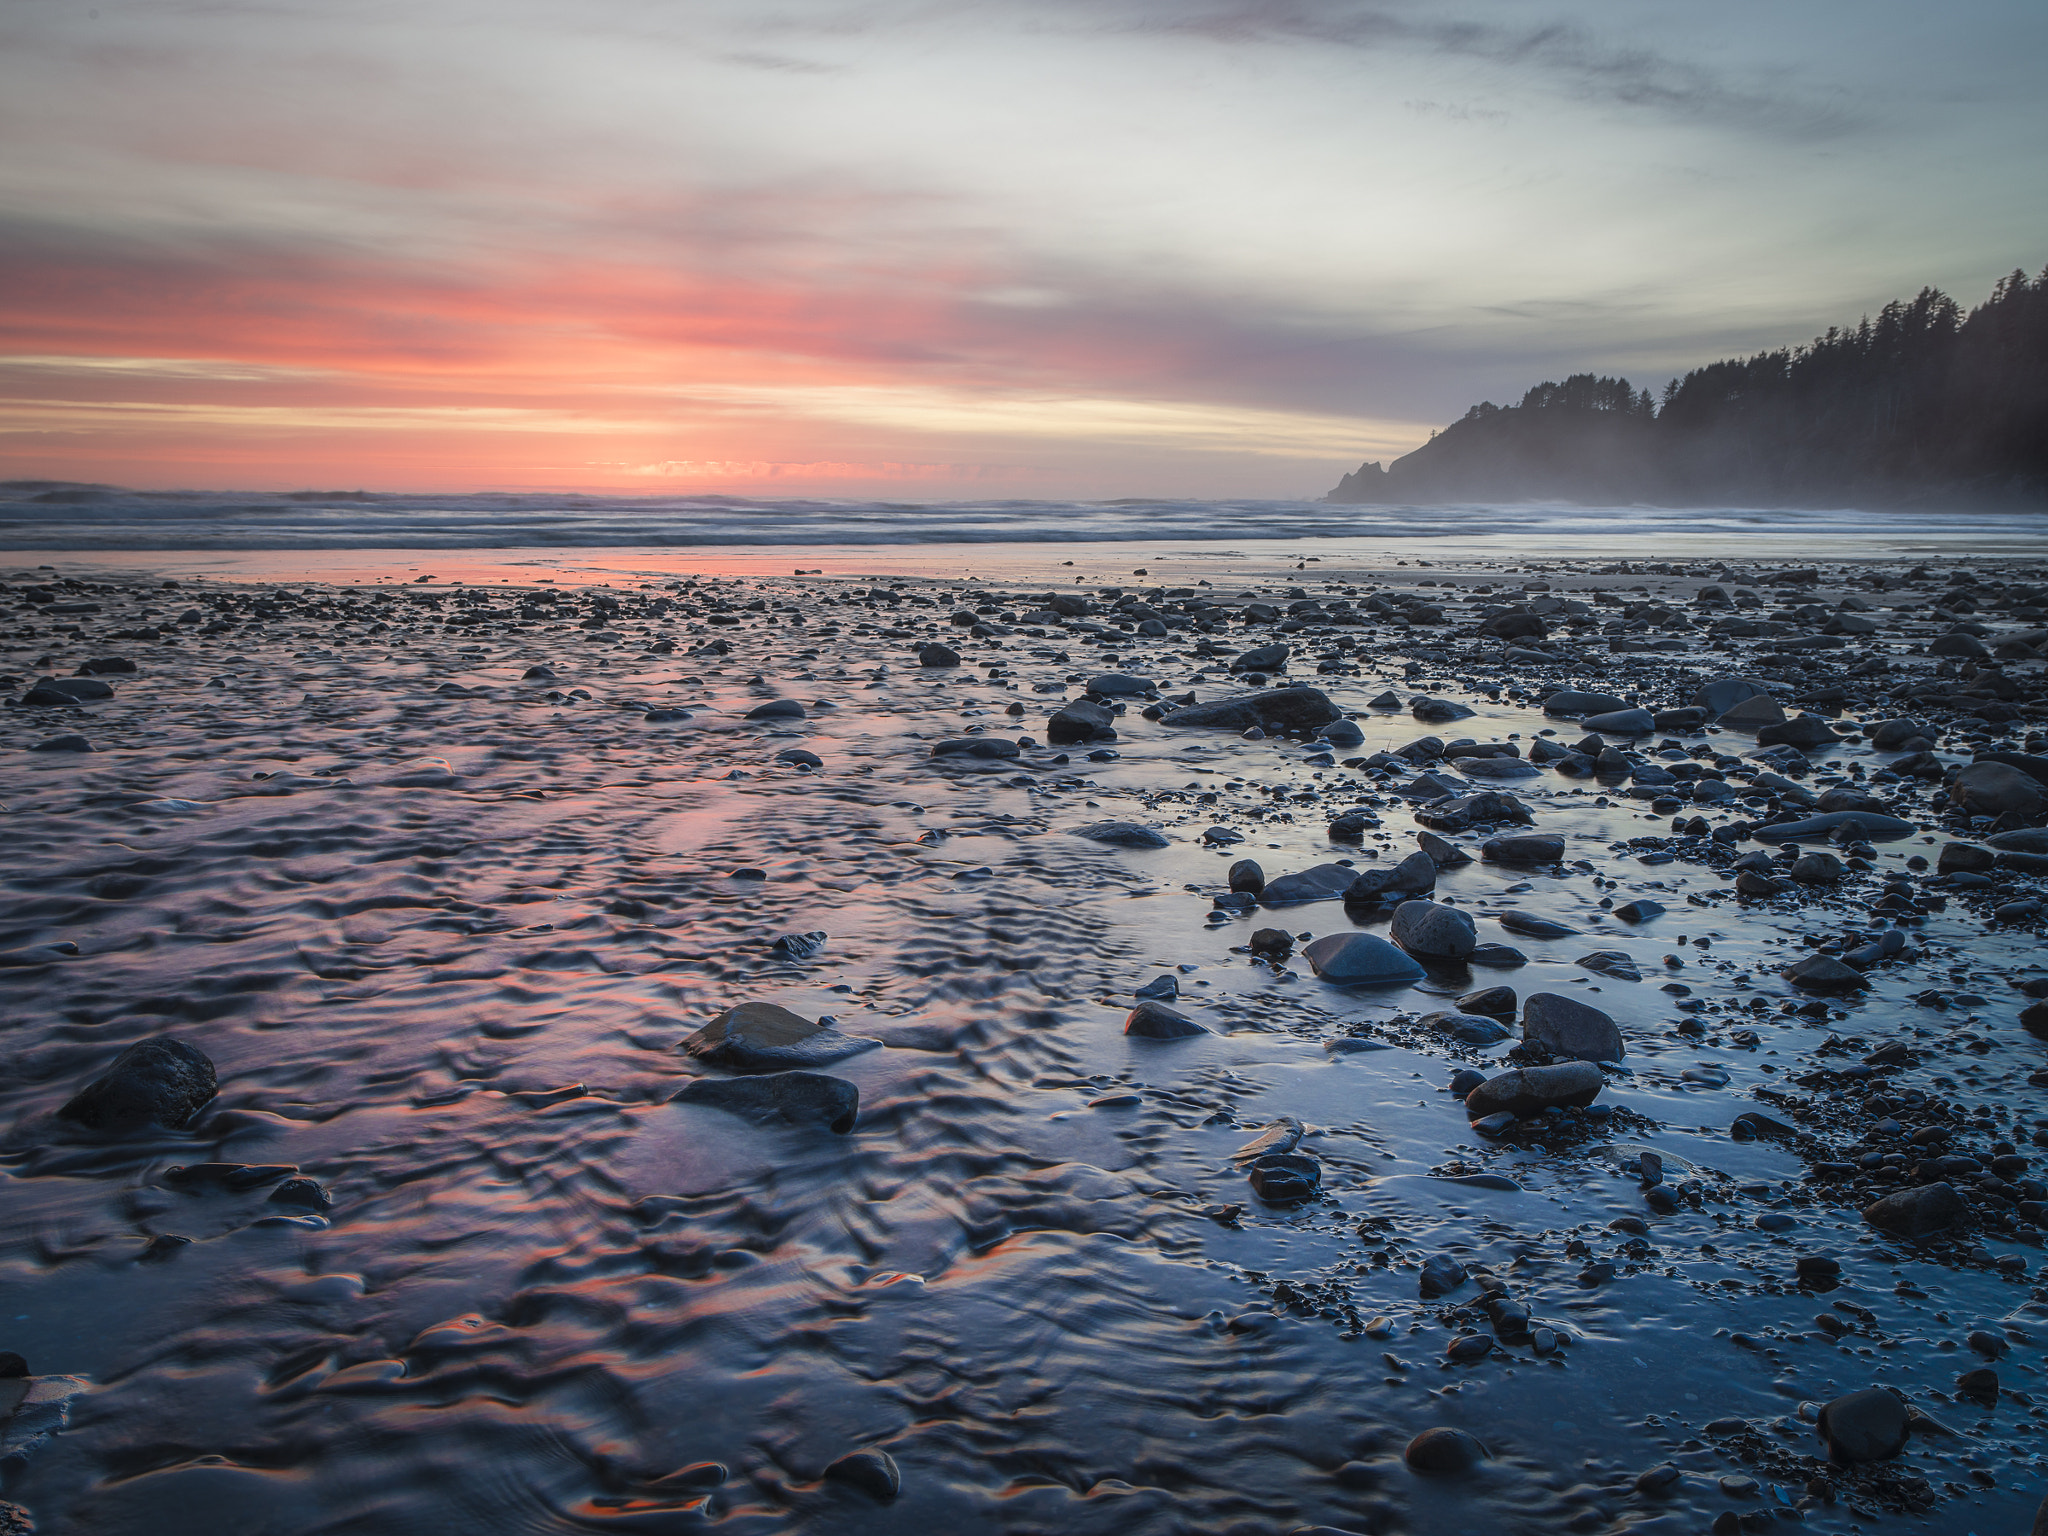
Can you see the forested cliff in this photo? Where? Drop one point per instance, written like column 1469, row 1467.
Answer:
column 1922, row 404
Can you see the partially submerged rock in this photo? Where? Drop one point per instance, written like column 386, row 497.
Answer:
column 1286, row 709
column 1564, row 1026
column 1531, row 1090
column 1360, row 959
column 1918, row 1212
column 765, row 1037
column 161, row 1081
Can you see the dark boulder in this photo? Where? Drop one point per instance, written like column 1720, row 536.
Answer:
column 1283, row 709
column 161, row 1080
column 795, row 1098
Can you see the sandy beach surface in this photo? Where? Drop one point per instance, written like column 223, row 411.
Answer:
column 1626, row 1045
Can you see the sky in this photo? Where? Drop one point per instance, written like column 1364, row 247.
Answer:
column 922, row 250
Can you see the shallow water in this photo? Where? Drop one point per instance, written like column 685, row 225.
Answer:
column 454, row 997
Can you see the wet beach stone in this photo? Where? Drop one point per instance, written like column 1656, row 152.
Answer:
column 1124, row 834
column 1865, row 1426
column 1360, row 959
column 795, row 1098
column 1287, row 709
column 161, row 1080
column 766, row 1037
column 874, row 1473
column 1285, row 1178
column 1564, row 1026
column 1917, row 1212
column 1531, row 1090
column 1079, row 722
column 1155, row 1021
column 1432, row 929
column 1442, row 1451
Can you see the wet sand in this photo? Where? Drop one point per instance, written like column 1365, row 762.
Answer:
column 442, row 929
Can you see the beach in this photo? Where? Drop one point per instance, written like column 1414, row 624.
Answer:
column 447, row 859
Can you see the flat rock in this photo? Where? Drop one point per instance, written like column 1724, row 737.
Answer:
column 1531, row 1090
column 1869, row 824
column 1360, row 959
column 1523, row 848
column 1569, row 703
column 1120, row 685
column 1530, row 926
column 1824, row 973
column 1622, row 722
column 765, row 1037
column 1078, row 722
column 1286, row 709
column 1124, row 834
column 1323, row 882
column 1413, row 876
column 794, row 1098
column 1992, row 789
column 994, row 747
column 1468, row 1028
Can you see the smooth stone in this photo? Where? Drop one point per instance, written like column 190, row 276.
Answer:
column 1444, row 1450
column 1261, row 658
column 1498, row 957
column 1877, row 828
column 1499, row 768
column 1610, row 962
column 1865, row 1426
column 161, row 1080
column 1752, row 713
column 1917, row 1212
column 1569, row 702
column 1806, row 732
column 1323, row 882
column 1247, row 876
column 1564, row 1026
column 1529, row 926
column 976, row 746
column 873, row 1472
column 1282, row 1178
column 1296, row 709
column 1824, row 973
column 1119, row 685
column 1360, row 959
column 1155, row 1021
column 1993, row 789
column 1413, row 876
column 1123, row 834
column 63, row 744
column 1470, row 1028
column 1496, row 1002
column 1718, row 695
column 797, row 1098
column 1160, row 989
column 1432, row 929
column 777, row 709
column 799, row 946
column 798, row 757
column 1622, row 722
column 1531, row 1090
column 1078, row 722
column 765, row 1037
column 68, row 690
column 1641, row 910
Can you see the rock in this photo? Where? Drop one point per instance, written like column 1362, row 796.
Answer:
column 1462, row 813
column 798, row 946
column 1283, row 709
column 874, row 1473
column 63, row 744
column 1499, row 957
column 1156, row 1021
column 538, row 674
column 936, row 655
column 797, row 757
column 1281, row 1135
column 1979, row 1386
column 1531, row 926
column 1719, row 695
column 67, row 691
column 1469, row 1028
column 1865, row 1426
column 1752, row 714
column 1524, row 848
column 1610, row 962
column 795, row 1098
column 1495, row 1002
column 1429, row 928
column 1965, row 858
column 1916, row 1212
column 1959, row 643
column 1352, row 826
column 1261, row 658
column 1893, row 735
column 1123, row 834
column 1413, row 876
column 1441, row 1274
column 765, row 1037
column 1274, row 944
column 1284, row 1177
column 1568, row 703
column 1818, row 869
column 1992, row 789
column 1119, row 685
column 1868, row 824
column 1824, row 973
column 1443, row 1451
column 304, row 1194
column 1078, row 722
column 1245, row 875
column 1679, row 719
column 1160, row 989
column 161, row 1080
column 1324, row 882
column 1499, row 768
column 1807, row 733
column 1442, row 852
column 992, row 747
column 777, row 709
column 1641, row 910
column 1531, row 1090
column 1360, row 959
column 1623, row 722
column 1464, row 1080
column 1342, row 733
column 1438, row 711
column 1563, row 1026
